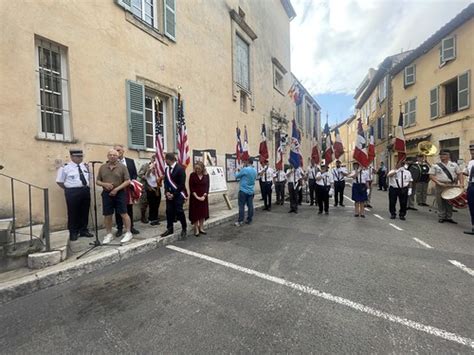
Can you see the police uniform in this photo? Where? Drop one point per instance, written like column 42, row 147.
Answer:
column 266, row 178
column 324, row 180
column 75, row 178
column 280, row 180
column 311, row 173
column 339, row 177
column 399, row 184
column 294, row 177
column 469, row 171
column 445, row 210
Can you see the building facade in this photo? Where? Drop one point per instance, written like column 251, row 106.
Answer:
column 92, row 74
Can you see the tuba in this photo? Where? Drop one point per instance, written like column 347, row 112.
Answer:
column 427, row 148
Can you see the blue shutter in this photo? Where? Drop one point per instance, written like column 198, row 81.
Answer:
column 126, row 4
column 136, row 115
column 169, row 15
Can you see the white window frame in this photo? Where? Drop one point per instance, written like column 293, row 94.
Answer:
column 406, row 76
column 277, row 87
column 467, row 89
column 444, row 59
column 66, row 114
column 241, row 85
column 409, row 112
column 164, row 133
column 165, row 25
column 434, row 103
column 143, row 13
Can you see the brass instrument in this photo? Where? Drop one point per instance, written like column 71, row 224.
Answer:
column 427, row 148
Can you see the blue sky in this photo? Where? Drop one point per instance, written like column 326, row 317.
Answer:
column 335, row 42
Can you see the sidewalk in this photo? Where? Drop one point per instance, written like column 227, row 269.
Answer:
column 21, row 282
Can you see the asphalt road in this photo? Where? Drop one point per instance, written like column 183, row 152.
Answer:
column 287, row 283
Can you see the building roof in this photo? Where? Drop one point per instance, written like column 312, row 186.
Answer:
column 290, row 11
column 432, row 41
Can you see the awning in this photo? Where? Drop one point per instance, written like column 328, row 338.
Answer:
column 417, row 139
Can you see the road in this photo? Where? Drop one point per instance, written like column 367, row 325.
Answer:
column 287, row 283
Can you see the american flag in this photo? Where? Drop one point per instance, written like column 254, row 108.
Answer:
column 159, row 156
column 238, row 148
column 183, row 146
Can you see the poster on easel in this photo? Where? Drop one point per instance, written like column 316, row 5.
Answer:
column 217, row 182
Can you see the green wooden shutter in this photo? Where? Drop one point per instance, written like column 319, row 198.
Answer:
column 126, row 4
column 136, row 114
column 463, row 91
column 434, row 99
column 169, row 14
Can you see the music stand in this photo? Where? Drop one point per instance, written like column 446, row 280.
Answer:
column 96, row 243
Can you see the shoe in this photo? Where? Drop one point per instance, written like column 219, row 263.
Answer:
column 455, row 210
column 362, row 216
column 119, row 232
column 471, row 232
column 202, row 232
column 402, row 218
column 269, row 209
column 369, row 206
column 126, row 238
column 73, row 237
column 342, row 205
column 154, row 223
column 425, row 204
column 183, row 234
column 108, row 238
column 196, row 234
column 134, row 231
column 412, row 208
column 238, row 224
column 264, row 209
column 320, row 212
column 335, row 205
column 290, row 211
column 311, row 204
column 440, row 220
column 167, row 233
column 356, row 215
column 326, row 212
column 87, row 234
column 449, row 220
column 248, row 222
column 393, row 217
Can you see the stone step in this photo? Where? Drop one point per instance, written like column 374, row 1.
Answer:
column 5, row 230
column 24, row 245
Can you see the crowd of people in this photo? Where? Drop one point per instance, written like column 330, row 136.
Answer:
column 118, row 177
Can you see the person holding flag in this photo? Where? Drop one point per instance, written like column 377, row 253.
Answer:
column 360, row 175
column 338, row 146
column 294, row 173
column 327, row 145
column 280, row 176
column 238, row 147
column 263, row 159
column 183, row 145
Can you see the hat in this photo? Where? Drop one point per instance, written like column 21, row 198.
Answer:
column 338, row 161
column 444, row 151
column 76, row 153
column 471, row 146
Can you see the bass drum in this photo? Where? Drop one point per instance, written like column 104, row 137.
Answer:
column 455, row 196
column 415, row 172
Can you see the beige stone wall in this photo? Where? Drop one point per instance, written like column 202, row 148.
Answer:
column 104, row 50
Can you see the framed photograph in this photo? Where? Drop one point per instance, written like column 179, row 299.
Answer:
column 230, row 167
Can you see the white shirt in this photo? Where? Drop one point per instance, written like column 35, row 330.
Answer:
column 370, row 175
column 360, row 176
column 123, row 161
column 470, row 166
column 312, row 172
column 401, row 179
column 268, row 174
column 151, row 180
column 338, row 173
column 280, row 176
column 440, row 175
column 69, row 175
column 326, row 179
column 293, row 175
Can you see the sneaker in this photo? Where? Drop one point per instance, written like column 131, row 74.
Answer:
column 126, row 238
column 238, row 224
column 108, row 238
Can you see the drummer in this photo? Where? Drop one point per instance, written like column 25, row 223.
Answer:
column 445, row 174
column 470, row 188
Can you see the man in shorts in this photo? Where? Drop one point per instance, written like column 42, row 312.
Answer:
column 114, row 178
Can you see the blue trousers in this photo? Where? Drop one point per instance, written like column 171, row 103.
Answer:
column 245, row 199
column 470, row 201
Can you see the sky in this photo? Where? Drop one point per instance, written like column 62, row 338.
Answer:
column 335, row 42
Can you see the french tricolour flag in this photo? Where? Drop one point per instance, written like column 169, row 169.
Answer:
column 400, row 145
column 360, row 150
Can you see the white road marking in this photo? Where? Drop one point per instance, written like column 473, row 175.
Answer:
column 365, row 208
column 426, row 245
column 336, row 299
column 379, row 217
column 396, row 227
column 349, row 198
column 462, row 267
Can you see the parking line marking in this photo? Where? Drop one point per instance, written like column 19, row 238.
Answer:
column 426, row 245
column 396, row 227
column 336, row 299
column 379, row 217
column 462, row 267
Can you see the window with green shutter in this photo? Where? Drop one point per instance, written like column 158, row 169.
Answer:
column 136, row 114
column 169, row 13
column 434, row 102
column 463, row 90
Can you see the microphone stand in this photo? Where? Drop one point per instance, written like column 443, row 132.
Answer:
column 96, row 243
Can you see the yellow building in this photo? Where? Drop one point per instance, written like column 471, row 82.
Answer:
column 433, row 84
column 88, row 74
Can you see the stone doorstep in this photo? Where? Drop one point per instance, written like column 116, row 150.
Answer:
column 62, row 272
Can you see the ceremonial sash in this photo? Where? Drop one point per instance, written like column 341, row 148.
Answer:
column 173, row 184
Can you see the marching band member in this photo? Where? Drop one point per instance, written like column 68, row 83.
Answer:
column 280, row 181
column 359, row 188
column 324, row 180
column 311, row 174
column 399, row 181
column 339, row 174
column 445, row 174
column 295, row 181
column 422, row 184
column 266, row 175
column 469, row 171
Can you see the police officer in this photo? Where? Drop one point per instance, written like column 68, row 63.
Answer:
column 324, row 181
column 445, row 174
column 339, row 174
column 469, row 172
column 73, row 177
column 280, row 181
column 266, row 175
column 400, row 182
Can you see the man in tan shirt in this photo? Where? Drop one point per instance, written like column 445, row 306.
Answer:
column 113, row 177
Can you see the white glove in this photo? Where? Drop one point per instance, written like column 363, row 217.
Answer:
column 368, row 192
column 331, row 192
column 409, row 191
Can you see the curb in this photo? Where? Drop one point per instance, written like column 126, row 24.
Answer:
column 59, row 274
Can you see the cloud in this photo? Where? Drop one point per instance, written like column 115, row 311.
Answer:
column 335, row 42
